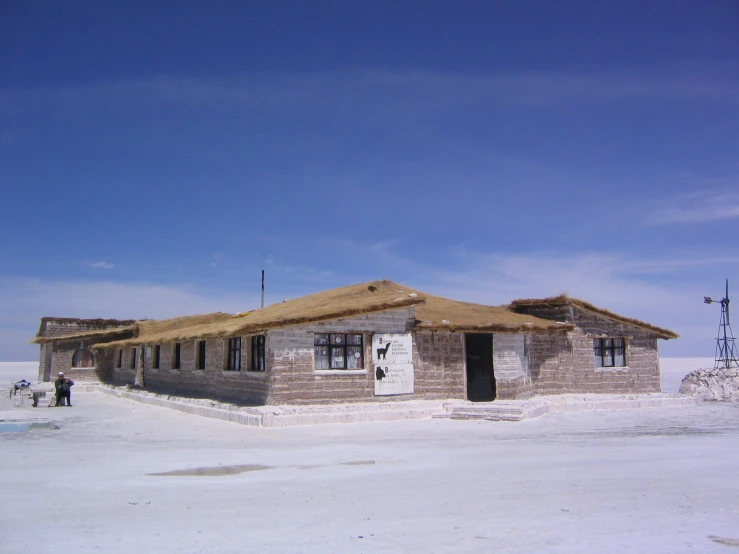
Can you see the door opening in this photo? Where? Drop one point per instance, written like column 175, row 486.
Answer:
column 480, row 376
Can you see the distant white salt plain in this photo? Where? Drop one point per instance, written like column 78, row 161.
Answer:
column 673, row 371
column 15, row 371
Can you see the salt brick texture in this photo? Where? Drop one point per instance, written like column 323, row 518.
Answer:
column 290, row 378
column 293, row 379
column 56, row 357
column 511, row 367
column 524, row 365
column 215, row 381
column 440, row 363
column 562, row 363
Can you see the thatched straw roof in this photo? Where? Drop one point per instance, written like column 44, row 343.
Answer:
column 443, row 313
column 322, row 306
column 177, row 328
column 564, row 299
column 92, row 337
column 146, row 326
column 432, row 312
column 98, row 322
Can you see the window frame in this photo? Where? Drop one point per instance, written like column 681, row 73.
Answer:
column 233, row 354
column 134, row 350
column 177, row 355
column 201, row 349
column 332, row 345
column 157, row 359
column 258, row 357
column 608, row 351
column 119, row 364
column 78, row 354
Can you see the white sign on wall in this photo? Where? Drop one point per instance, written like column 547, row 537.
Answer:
column 392, row 357
column 392, row 349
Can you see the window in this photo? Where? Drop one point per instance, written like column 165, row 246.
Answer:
column 133, row 358
column 234, row 354
column 257, row 353
column 609, row 352
column 120, row 358
column 157, row 356
column 176, row 355
column 83, row 358
column 338, row 351
column 201, row 354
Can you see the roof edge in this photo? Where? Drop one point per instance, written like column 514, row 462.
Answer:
column 563, row 299
column 556, row 327
column 88, row 335
column 255, row 328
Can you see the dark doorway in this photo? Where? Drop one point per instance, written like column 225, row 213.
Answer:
column 480, row 378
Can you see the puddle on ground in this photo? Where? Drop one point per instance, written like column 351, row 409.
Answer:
column 723, row 540
column 359, row 463
column 215, row 471
column 24, row 426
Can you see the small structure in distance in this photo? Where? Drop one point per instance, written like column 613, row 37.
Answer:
column 725, row 351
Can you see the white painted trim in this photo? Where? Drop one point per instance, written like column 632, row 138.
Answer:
column 340, row 372
column 609, row 369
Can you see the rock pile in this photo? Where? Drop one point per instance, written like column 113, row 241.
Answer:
column 720, row 385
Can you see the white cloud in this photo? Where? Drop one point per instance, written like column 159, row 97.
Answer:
column 697, row 208
column 101, row 265
column 386, row 92
column 613, row 282
column 643, row 288
column 24, row 301
column 665, row 291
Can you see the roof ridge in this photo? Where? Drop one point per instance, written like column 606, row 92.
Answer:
column 564, row 299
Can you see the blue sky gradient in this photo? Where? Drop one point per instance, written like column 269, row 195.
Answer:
column 155, row 156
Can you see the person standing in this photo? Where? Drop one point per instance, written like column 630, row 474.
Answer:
column 63, row 386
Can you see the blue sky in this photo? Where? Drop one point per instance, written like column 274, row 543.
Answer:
column 155, row 156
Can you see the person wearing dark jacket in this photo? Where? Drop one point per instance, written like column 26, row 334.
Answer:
column 63, row 386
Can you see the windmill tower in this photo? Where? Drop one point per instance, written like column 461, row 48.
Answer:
column 725, row 352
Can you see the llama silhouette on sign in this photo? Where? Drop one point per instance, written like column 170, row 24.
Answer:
column 381, row 352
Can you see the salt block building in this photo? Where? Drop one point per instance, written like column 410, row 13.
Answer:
column 72, row 357
column 370, row 342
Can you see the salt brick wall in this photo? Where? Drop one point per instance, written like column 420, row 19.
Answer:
column 563, row 363
column 293, row 380
column 440, row 363
column 104, row 365
column 541, row 363
column 439, row 367
column 61, row 360
column 511, row 367
column 438, row 359
column 62, row 353
column 290, row 377
column 43, row 374
column 241, row 387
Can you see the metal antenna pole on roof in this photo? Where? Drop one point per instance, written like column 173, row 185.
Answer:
column 725, row 352
column 262, row 288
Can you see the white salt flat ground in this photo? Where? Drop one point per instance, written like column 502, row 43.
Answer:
column 651, row 480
